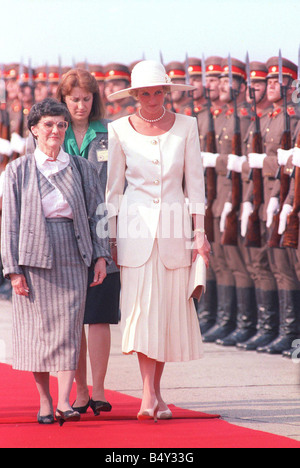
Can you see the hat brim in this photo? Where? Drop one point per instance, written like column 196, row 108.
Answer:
column 124, row 93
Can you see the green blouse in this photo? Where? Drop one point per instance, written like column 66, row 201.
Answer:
column 70, row 143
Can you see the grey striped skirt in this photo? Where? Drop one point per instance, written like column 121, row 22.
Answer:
column 47, row 326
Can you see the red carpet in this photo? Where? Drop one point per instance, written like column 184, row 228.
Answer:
column 118, row 429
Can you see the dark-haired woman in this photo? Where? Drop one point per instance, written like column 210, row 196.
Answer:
column 48, row 241
column 87, row 136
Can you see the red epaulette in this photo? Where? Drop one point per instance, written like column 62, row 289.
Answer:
column 130, row 109
column 216, row 112
column 291, row 110
column 187, row 111
column 244, row 111
column 275, row 113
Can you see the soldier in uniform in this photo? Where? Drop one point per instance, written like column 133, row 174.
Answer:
column 236, row 317
column 41, row 84
column 98, row 73
column 117, row 77
column 291, row 203
column 257, row 261
column 279, row 260
column 13, row 103
column 213, row 70
column 53, row 80
column 198, row 101
column 178, row 101
column 207, row 308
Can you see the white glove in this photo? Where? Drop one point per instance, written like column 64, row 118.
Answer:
column 296, row 157
column 235, row 163
column 5, row 147
column 226, row 210
column 247, row 210
column 256, row 160
column 17, row 143
column 209, row 159
column 286, row 210
column 283, row 156
column 272, row 209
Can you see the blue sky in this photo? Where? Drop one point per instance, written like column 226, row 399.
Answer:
column 102, row 31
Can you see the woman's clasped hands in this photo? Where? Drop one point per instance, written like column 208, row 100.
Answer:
column 201, row 247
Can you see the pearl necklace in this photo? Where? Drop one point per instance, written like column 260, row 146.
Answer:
column 154, row 120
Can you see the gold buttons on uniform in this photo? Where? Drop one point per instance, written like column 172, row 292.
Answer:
column 155, row 161
column 156, row 182
column 153, row 142
column 156, row 200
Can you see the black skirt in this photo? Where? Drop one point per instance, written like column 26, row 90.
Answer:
column 102, row 302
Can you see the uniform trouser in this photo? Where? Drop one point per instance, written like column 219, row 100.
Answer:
column 236, row 260
column 219, row 264
column 257, row 264
column 282, row 263
column 297, row 268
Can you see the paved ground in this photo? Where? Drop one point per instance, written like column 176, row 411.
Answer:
column 246, row 388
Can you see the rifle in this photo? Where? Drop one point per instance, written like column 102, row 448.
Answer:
column 210, row 173
column 170, row 99
column 253, row 236
column 230, row 234
column 4, row 121
column 291, row 235
column 286, row 144
column 188, row 82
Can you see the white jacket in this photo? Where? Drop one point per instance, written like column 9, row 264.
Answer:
column 159, row 172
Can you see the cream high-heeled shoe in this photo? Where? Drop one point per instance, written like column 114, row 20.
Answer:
column 149, row 413
column 166, row 414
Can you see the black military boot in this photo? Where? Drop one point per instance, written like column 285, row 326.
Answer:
column 289, row 304
column 267, row 321
column 246, row 318
column 207, row 307
column 226, row 315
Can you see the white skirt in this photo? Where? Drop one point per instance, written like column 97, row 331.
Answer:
column 158, row 320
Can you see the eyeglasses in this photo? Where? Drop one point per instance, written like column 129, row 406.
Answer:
column 48, row 125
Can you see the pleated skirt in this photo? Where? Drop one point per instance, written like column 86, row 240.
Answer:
column 47, row 326
column 157, row 318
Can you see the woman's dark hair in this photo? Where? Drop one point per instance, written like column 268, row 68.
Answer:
column 82, row 79
column 48, row 107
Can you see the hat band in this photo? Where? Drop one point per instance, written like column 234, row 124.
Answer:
column 258, row 74
column 213, row 69
column 98, row 75
column 195, row 69
column 117, row 75
column 235, row 71
column 176, row 74
column 274, row 70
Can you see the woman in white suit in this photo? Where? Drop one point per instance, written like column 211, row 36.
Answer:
column 151, row 225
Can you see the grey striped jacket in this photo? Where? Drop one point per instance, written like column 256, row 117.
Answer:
column 24, row 237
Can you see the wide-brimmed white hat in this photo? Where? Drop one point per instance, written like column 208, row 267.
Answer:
column 146, row 74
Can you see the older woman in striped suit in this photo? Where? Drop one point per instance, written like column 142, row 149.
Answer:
column 49, row 239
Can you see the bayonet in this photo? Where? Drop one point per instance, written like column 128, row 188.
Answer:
column 248, row 71
column 299, row 66
column 230, row 71
column 161, row 57
column 280, row 76
column 187, row 74
column 203, row 72
column 21, row 72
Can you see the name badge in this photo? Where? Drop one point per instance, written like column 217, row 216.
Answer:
column 102, row 155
